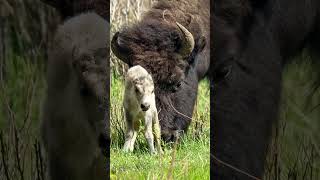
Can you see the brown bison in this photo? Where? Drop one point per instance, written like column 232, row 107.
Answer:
column 252, row 41
column 170, row 42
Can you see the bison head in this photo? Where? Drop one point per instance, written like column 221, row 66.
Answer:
column 167, row 50
column 78, row 63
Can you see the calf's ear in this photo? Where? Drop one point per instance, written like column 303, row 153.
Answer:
column 119, row 50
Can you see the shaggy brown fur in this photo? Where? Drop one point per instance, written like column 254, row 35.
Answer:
column 154, row 43
column 74, row 109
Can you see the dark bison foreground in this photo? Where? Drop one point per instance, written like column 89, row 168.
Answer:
column 70, row 8
column 170, row 43
column 252, row 40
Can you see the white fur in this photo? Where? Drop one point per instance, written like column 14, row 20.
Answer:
column 139, row 89
column 71, row 123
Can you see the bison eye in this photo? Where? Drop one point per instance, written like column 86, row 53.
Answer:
column 223, row 73
column 176, row 87
column 84, row 91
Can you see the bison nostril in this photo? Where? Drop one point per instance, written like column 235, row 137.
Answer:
column 145, row 107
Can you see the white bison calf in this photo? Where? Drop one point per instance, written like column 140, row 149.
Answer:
column 139, row 104
column 74, row 110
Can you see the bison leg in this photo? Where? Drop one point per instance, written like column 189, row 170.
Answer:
column 131, row 134
column 148, row 131
column 130, row 138
column 157, row 131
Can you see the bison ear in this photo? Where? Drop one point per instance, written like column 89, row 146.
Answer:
column 201, row 44
column 199, row 47
column 118, row 50
column 258, row 3
column 64, row 7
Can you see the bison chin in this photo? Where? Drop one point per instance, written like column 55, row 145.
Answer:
column 175, row 109
column 172, row 135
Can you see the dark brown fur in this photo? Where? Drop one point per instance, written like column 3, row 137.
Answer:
column 69, row 8
column 252, row 41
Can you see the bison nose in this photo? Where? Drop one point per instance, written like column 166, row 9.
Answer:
column 145, row 107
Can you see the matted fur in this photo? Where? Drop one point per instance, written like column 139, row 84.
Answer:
column 140, row 107
column 74, row 109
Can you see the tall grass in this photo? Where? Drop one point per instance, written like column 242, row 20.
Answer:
column 295, row 150
column 20, row 99
column 25, row 29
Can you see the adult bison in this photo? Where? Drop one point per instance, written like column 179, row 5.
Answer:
column 252, row 41
column 170, row 43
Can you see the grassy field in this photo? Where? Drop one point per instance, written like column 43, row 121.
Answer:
column 192, row 155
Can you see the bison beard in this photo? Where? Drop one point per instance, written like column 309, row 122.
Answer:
column 251, row 42
column 170, row 43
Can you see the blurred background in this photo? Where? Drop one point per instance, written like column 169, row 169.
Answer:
column 26, row 27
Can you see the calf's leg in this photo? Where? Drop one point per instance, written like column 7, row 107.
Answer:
column 148, row 132
column 131, row 133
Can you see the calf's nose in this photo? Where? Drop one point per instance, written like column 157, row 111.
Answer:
column 145, row 107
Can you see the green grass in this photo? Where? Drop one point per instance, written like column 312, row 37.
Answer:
column 295, row 150
column 192, row 159
column 21, row 94
column 191, row 162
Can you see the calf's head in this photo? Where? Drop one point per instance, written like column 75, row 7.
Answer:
column 140, row 83
column 78, row 60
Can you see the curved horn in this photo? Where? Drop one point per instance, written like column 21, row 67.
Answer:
column 187, row 42
column 117, row 50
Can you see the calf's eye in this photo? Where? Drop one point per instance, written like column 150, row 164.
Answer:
column 178, row 85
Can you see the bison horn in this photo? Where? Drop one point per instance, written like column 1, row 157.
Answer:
column 120, row 52
column 188, row 41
